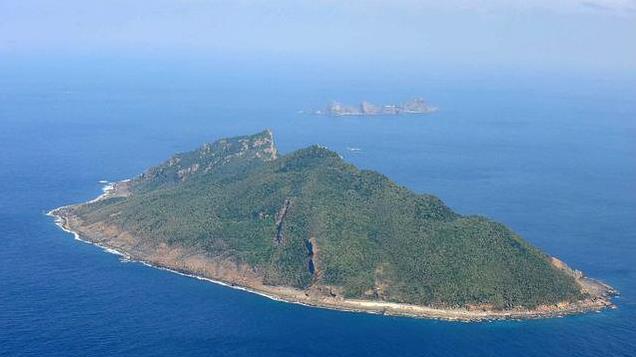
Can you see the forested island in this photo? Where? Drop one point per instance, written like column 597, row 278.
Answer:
column 310, row 228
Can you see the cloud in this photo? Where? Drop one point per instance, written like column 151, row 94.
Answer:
column 620, row 6
column 502, row 6
column 536, row 32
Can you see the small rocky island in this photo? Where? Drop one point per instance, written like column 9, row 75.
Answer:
column 414, row 106
column 310, row 228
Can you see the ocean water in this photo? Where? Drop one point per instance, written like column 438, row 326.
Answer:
column 552, row 158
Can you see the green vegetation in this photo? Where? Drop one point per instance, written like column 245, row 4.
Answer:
column 374, row 239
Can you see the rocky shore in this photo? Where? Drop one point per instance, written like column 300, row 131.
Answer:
column 227, row 272
column 365, row 108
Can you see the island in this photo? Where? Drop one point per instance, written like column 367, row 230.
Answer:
column 414, row 106
column 308, row 227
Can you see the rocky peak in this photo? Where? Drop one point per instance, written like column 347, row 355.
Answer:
column 211, row 156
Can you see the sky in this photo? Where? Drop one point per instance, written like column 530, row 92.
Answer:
column 584, row 35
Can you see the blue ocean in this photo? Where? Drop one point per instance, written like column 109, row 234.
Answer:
column 553, row 157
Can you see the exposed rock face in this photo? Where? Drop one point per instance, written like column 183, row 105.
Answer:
column 414, row 106
column 594, row 288
column 269, row 149
column 280, row 217
column 562, row 266
column 184, row 173
column 313, row 262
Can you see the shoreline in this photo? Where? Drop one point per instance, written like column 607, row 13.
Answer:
column 237, row 279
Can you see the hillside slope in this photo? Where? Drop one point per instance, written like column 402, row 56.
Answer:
column 311, row 221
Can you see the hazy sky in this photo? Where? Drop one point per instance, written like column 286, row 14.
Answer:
column 551, row 34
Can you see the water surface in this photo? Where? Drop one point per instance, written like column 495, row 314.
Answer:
column 553, row 160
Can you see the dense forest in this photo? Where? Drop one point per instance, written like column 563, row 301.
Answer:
column 309, row 218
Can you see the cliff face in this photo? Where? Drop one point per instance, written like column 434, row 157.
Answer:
column 310, row 221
